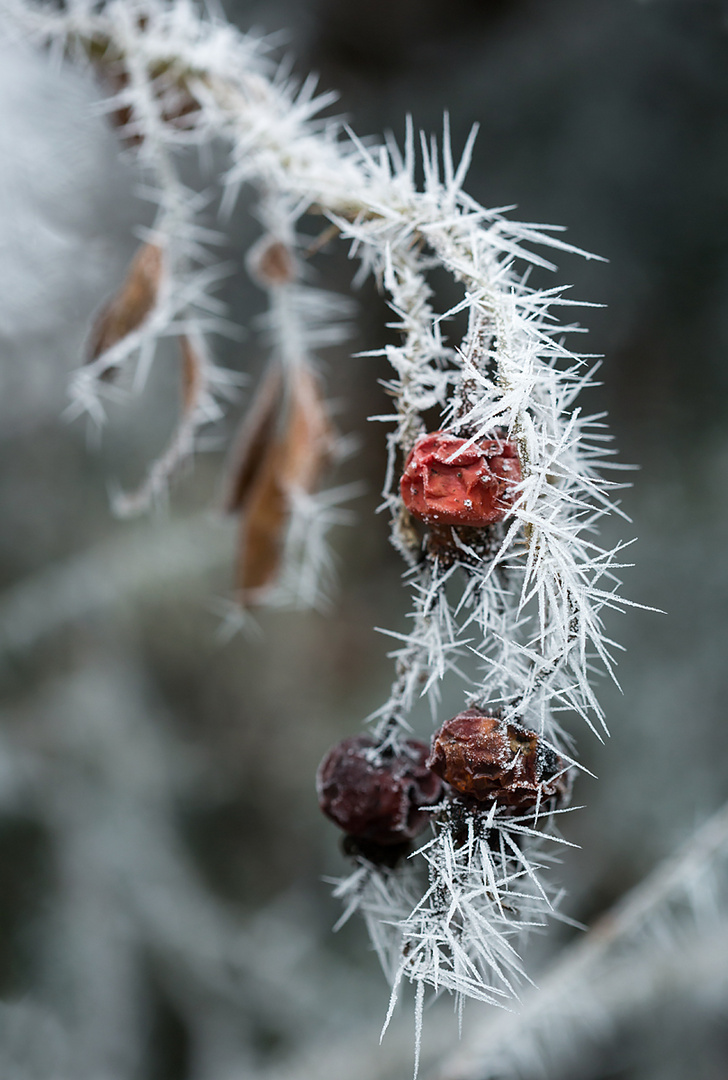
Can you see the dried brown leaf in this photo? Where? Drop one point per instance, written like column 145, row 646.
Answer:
column 262, row 527
column 271, row 263
column 193, row 378
column 254, row 438
column 130, row 306
column 177, row 105
column 308, row 438
column 288, row 454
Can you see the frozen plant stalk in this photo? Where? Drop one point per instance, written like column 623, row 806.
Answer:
column 495, row 512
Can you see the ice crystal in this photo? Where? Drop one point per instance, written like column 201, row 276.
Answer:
column 527, row 595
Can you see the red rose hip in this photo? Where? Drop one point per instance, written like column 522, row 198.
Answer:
column 377, row 795
column 494, row 761
column 447, row 482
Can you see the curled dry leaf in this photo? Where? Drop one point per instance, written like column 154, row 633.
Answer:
column 175, row 100
column 262, row 527
column 309, row 435
column 130, row 306
column 256, row 434
column 193, row 379
column 270, row 263
column 284, row 445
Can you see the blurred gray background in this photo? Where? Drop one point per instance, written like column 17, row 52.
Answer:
column 609, row 117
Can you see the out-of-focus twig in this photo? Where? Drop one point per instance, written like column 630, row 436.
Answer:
column 132, row 564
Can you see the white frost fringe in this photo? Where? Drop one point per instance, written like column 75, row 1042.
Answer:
column 533, row 612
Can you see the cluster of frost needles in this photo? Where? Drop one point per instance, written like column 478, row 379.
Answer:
column 528, row 600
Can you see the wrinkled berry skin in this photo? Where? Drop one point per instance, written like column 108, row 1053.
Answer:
column 377, row 796
column 475, row 488
column 493, row 761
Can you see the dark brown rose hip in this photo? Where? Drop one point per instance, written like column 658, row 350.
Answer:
column 377, row 796
column 494, row 761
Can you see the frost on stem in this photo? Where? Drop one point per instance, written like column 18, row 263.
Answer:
column 177, row 79
column 525, row 588
column 668, row 931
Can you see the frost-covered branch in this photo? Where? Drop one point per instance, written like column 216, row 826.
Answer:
column 670, row 929
column 495, row 511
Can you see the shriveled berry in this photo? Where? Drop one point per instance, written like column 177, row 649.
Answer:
column 377, row 795
column 447, row 482
column 494, row 761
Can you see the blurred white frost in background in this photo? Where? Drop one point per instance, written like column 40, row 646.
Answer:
column 66, row 206
column 161, row 913
column 122, row 936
